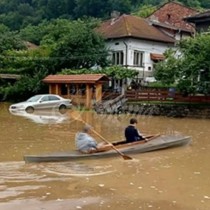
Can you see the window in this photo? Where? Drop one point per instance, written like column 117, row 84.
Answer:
column 45, row 98
column 118, row 58
column 138, row 58
column 54, row 98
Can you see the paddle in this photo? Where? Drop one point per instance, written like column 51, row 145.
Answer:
column 125, row 157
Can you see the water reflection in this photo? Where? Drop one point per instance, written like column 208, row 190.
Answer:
column 43, row 117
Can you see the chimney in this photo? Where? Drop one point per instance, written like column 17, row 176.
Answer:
column 114, row 15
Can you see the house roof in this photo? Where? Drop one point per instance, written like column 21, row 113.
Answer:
column 30, row 45
column 169, row 26
column 172, row 13
column 199, row 17
column 131, row 26
column 78, row 78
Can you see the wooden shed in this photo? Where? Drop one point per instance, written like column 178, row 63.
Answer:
column 83, row 89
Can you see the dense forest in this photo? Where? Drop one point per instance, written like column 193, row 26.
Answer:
column 17, row 14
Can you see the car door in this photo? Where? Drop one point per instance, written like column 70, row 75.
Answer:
column 43, row 103
column 54, row 101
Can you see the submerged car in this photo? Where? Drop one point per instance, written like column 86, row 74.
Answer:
column 45, row 101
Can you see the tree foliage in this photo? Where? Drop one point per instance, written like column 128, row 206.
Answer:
column 61, row 44
column 144, row 11
column 191, row 69
column 81, row 47
column 116, row 72
column 18, row 14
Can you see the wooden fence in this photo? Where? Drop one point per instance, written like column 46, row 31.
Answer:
column 164, row 96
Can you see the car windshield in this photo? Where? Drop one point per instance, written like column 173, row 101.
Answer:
column 34, row 98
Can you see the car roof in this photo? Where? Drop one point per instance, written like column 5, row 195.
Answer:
column 47, row 95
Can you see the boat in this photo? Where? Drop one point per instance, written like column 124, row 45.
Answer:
column 155, row 142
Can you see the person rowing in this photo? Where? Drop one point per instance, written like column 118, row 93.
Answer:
column 85, row 143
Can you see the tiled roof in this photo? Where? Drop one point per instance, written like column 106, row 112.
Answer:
column 157, row 57
column 79, row 78
column 202, row 15
column 173, row 13
column 169, row 26
column 132, row 26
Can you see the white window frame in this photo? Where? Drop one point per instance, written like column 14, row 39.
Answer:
column 118, row 57
column 138, row 57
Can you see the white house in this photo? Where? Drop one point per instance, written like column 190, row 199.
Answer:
column 135, row 43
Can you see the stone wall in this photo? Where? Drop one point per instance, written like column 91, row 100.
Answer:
column 169, row 110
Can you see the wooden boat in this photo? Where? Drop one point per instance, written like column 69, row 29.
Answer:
column 155, row 143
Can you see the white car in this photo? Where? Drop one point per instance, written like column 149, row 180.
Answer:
column 45, row 101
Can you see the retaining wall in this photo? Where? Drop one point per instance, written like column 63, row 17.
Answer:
column 169, row 110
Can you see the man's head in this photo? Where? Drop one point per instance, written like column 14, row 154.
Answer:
column 133, row 121
column 86, row 129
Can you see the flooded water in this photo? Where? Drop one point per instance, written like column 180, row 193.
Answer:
column 172, row 179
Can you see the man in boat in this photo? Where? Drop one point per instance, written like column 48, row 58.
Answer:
column 87, row 144
column 131, row 132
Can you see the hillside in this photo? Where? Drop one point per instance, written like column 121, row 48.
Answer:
column 17, row 14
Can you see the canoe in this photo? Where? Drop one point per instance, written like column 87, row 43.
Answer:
column 155, row 143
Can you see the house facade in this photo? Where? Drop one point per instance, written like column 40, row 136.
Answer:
column 137, row 54
column 134, row 43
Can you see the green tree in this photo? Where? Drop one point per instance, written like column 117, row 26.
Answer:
column 123, row 6
column 94, row 8
column 192, row 3
column 32, row 65
column 80, row 47
column 61, row 44
column 144, row 11
column 9, row 40
column 116, row 72
column 191, row 69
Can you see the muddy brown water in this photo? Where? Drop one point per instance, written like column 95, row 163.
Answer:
column 172, row 179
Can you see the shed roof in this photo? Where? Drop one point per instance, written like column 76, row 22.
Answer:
column 78, row 78
column 132, row 26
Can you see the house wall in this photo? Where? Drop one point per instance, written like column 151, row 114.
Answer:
column 147, row 47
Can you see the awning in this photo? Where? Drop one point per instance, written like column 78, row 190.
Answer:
column 157, row 57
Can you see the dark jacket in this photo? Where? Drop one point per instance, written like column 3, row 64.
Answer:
column 132, row 134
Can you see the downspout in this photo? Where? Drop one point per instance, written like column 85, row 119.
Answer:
column 126, row 54
column 126, row 66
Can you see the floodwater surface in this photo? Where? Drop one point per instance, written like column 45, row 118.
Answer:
column 172, row 179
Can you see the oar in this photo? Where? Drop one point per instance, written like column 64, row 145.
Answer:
column 125, row 157
column 153, row 137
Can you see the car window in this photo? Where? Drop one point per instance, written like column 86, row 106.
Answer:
column 53, row 98
column 34, row 98
column 45, row 98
